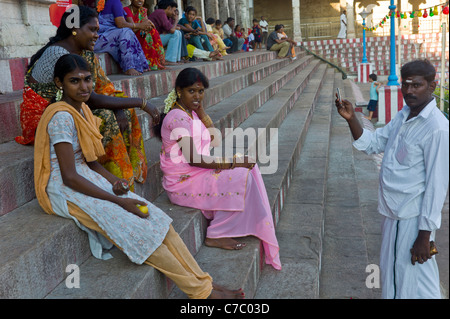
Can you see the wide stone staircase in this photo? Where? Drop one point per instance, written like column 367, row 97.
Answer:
column 289, row 105
column 348, row 53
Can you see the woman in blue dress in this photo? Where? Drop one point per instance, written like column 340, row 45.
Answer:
column 117, row 37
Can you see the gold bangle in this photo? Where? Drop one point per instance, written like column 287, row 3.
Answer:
column 144, row 104
column 207, row 121
column 234, row 163
column 218, row 161
column 222, row 163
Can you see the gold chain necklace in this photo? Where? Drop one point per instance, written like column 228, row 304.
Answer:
column 190, row 115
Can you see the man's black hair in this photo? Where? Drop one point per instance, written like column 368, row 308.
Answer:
column 419, row 67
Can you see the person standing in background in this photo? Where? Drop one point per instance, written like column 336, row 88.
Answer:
column 265, row 30
column 343, row 32
column 373, row 103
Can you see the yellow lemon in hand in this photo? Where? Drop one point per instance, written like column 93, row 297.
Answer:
column 143, row 209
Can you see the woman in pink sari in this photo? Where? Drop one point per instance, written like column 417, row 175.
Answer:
column 229, row 191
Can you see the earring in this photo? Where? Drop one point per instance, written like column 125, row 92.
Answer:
column 179, row 95
column 74, row 33
column 59, row 94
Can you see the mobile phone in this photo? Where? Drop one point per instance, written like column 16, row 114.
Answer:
column 339, row 94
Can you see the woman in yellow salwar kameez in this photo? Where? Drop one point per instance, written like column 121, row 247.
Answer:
column 122, row 136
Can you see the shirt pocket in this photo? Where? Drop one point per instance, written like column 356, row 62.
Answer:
column 407, row 154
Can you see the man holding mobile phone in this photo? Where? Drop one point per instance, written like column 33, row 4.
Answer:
column 413, row 185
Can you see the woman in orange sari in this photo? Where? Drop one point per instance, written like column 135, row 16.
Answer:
column 122, row 136
column 150, row 41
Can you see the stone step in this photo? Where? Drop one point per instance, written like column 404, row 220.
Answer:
column 344, row 257
column 149, row 85
column 190, row 225
column 157, row 83
column 12, row 71
column 300, row 229
column 230, row 112
column 242, row 268
column 17, row 160
column 348, row 52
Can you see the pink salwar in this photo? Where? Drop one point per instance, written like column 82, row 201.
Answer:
column 235, row 200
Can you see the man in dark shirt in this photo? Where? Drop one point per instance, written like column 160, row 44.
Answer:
column 275, row 44
column 165, row 20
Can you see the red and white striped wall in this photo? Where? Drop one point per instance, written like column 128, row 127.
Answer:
column 364, row 70
column 390, row 102
column 12, row 72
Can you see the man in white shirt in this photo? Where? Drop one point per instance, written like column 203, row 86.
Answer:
column 414, row 179
column 265, row 30
column 228, row 31
column 343, row 31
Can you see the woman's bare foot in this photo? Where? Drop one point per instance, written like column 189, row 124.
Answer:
column 224, row 243
column 172, row 63
column 132, row 72
column 220, row 292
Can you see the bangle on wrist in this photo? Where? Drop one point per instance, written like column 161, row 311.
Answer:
column 144, row 104
column 222, row 163
column 233, row 165
column 207, row 121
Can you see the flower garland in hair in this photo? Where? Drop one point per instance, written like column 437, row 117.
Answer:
column 100, row 5
column 170, row 100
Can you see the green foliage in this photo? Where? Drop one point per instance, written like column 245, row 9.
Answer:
column 437, row 92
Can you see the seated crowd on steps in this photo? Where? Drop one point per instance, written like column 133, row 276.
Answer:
column 72, row 112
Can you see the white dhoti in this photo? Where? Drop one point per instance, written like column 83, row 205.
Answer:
column 399, row 278
column 343, row 32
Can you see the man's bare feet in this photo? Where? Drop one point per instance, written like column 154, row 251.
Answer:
column 220, row 292
column 224, row 243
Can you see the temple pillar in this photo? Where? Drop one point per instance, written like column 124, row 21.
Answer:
column 297, row 33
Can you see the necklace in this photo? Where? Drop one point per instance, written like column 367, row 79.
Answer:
column 182, row 108
column 131, row 9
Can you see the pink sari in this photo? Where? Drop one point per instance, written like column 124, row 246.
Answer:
column 235, row 200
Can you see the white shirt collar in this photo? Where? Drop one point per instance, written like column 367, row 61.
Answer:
column 425, row 112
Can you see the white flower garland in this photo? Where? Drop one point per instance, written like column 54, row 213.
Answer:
column 169, row 101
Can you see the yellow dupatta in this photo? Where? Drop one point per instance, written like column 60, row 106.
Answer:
column 90, row 142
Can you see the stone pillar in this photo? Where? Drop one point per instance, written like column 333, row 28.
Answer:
column 403, row 27
column 180, row 7
column 350, row 19
column 232, row 8
column 212, row 9
column 243, row 13
column 238, row 16
column 390, row 102
column 224, row 12
column 297, row 33
column 251, row 11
